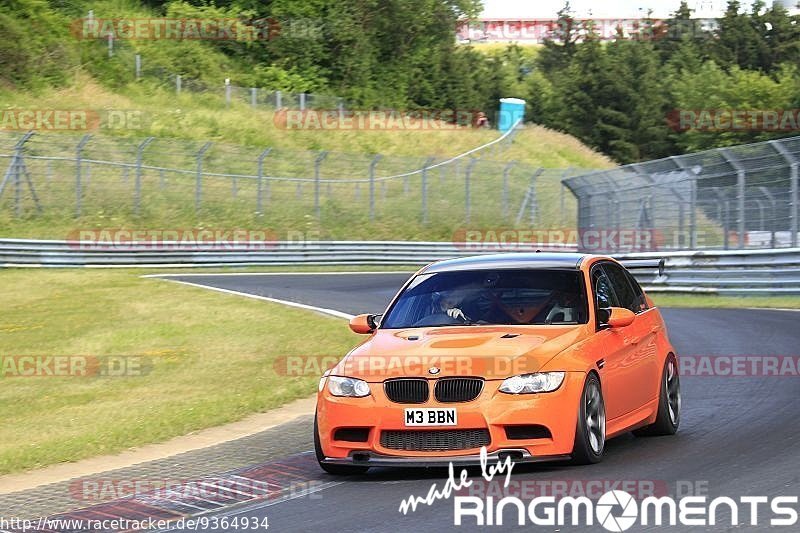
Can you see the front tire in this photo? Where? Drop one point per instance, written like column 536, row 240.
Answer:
column 590, row 433
column 669, row 402
column 336, row 470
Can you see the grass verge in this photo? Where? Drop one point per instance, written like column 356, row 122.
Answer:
column 212, row 361
column 722, row 302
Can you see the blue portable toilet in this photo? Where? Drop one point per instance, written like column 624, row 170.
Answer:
column 512, row 110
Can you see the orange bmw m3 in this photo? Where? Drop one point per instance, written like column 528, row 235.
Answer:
column 537, row 357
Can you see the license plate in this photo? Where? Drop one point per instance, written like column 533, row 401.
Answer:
column 431, row 417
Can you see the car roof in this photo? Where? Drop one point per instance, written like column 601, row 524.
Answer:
column 537, row 260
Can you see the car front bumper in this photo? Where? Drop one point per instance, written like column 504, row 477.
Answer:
column 492, row 411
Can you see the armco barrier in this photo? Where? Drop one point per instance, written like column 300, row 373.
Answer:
column 744, row 272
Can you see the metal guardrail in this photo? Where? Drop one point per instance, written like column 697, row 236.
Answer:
column 752, row 272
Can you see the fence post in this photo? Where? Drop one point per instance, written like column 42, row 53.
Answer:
column 302, row 101
column 198, row 189
column 794, row 207
column 260, row 193
column 137, row 203
column 110, row 45
column 138, row 61
column 17, row 169
column 534, row 201
column 692, row 201
column 428, row 163
column 467, row 192
column 372, row 166
column 741, row 183
column 178, row 84
column 506, row 172
column 253, row 97
column 317, row 164
column 78, row 165
column 227, row 91
column 278, row 99
column 794, row 194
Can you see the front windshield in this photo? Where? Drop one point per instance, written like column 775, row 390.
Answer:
column 502, row 297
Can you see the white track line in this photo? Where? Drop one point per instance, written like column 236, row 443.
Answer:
column 200, row 274
column 330, row 312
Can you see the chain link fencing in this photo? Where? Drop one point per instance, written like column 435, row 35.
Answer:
column 730, row 198
column 168, row 183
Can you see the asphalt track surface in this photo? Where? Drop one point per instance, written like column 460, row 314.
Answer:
column 738, row 436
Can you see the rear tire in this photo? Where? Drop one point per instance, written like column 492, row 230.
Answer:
column 669, row 402
column 336, row 470
column 590, row 433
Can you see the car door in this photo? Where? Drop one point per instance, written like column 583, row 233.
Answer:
column 638, row 338
column 617, row 355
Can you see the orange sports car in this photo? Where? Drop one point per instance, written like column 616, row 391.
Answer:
column 536, row 356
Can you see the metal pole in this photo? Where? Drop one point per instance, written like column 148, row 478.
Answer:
column 137, row 203
column 253, row 96
column 17, row 167
column 467, row 192
column 198, row 189
column 110, row 45
column 533, row 200
column 795, row 207
column 78, row 164
column 428, row 163
column 372, row 166
column 741, row 183
column 227, row 91
column 138, row 66
column 278, row 99
column 794, row 195
column 17, row 185
column 302, row 101
column 317, row 164
column 178, row 84
column 260, row 194
column 506, row 173
column 693, row 215
column 692, row 200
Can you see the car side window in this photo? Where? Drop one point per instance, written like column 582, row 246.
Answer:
column 603, row 293
column 622, row 287
column 641, row 299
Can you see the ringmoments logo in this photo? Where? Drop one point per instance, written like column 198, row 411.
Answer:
column 615, row 510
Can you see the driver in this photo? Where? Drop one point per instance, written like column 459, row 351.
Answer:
column 449, row 303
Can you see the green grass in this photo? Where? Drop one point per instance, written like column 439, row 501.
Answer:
column 212, row 357
column 240, row 133
column 721, row 302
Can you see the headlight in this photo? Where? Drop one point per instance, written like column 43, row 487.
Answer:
column 533, row 383
column 353, row 388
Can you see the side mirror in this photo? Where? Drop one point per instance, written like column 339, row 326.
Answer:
column 363, row 324
column 620, row 317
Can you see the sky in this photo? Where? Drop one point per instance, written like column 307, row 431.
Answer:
column 544, row 9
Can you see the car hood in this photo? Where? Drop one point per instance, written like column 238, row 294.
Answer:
column 492, row 352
